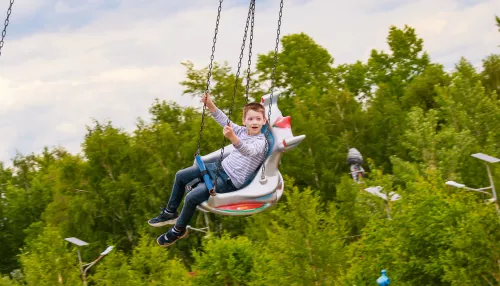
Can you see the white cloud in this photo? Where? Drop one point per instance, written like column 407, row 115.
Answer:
column 53, row 82
column 21, row 8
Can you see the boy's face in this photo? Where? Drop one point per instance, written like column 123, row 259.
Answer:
column 254, row 121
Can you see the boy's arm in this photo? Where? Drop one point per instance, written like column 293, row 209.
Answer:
column 252, row 149
column 222, row 118
column 218, row 115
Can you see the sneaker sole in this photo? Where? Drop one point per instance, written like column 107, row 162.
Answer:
column 169, row 244
column 163, row 223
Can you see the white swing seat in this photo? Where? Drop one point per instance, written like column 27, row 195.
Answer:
column 257, row 194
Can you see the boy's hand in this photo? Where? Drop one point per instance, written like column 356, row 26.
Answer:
column 208, row 102
column 229, row 134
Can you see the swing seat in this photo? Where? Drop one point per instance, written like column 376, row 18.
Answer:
column 257, row 194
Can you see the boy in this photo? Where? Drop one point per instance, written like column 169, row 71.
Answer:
column 247, row 156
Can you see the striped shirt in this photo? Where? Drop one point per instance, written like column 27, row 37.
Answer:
column 247, row 156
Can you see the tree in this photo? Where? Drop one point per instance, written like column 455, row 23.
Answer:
column 301, row 64
column 465, row 107
column 415, row 124
column 147, row 265
column 225, row 261
column 6, row 281
column 29, row 183
column 354, row 78
column 331, row 124
column 406, row 61
column 490, row 76
column 425, row 242
column 300, row 241
column 222, row 87
column 421, row 92
column 390, row 74
column 435, row 147
column 115, row 270
column 153, row 267
column 47, row 261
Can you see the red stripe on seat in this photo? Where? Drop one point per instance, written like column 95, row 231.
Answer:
column 241, row 207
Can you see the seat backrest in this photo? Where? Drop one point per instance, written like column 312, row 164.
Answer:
column 270, row 139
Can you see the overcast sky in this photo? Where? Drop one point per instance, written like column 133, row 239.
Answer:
column 65, row 62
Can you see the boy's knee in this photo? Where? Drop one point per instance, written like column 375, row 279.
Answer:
column 191, row 200
column 178, row 174
column 183, row 172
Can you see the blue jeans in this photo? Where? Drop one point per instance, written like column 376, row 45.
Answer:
column 198, row 194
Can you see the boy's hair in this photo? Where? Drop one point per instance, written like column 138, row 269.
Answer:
column 257, row 107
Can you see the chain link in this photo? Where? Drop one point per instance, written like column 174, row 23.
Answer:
column 272, row 85
column 250, row 13
column 209, row 76
column 4, row 32
column 250, row 54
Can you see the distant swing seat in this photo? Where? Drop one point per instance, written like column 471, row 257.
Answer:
column 258, row 193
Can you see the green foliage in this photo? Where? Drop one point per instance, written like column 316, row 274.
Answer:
column 300, row 241
column 421, row 91
column 335, row 112
column 406, row 61
column 115, row 270
column 225, row 261
column 147, row 265
column 354, row 207
column 490, row 76
column 224, row 85
column 46, row 260
column 434, row 238
column 29, row 183
column 354, row 78
column 6, row 281
column 301, row 63
column 399, row 81
column 154, row 267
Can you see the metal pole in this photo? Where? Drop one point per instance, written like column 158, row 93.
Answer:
column 493, row 189
column 479, row 190
column 81, row 267
column 91, row 264
column 388, row 211
column 494, row 197
column 207, row 221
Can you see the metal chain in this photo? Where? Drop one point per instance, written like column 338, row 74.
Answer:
column 4, row 32
column 213, row 191
column 209, row 76
column 250, row 53
column 272, row 85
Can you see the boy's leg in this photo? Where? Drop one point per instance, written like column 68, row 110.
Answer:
column 191, row 202
column 182, row 178
column 179, row 230
column 200, row 194
column 169, row 214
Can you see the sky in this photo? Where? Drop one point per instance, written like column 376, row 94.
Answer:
column 67, row 62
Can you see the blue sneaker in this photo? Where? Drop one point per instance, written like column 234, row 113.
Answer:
column 171, row 237
column 165, row 218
